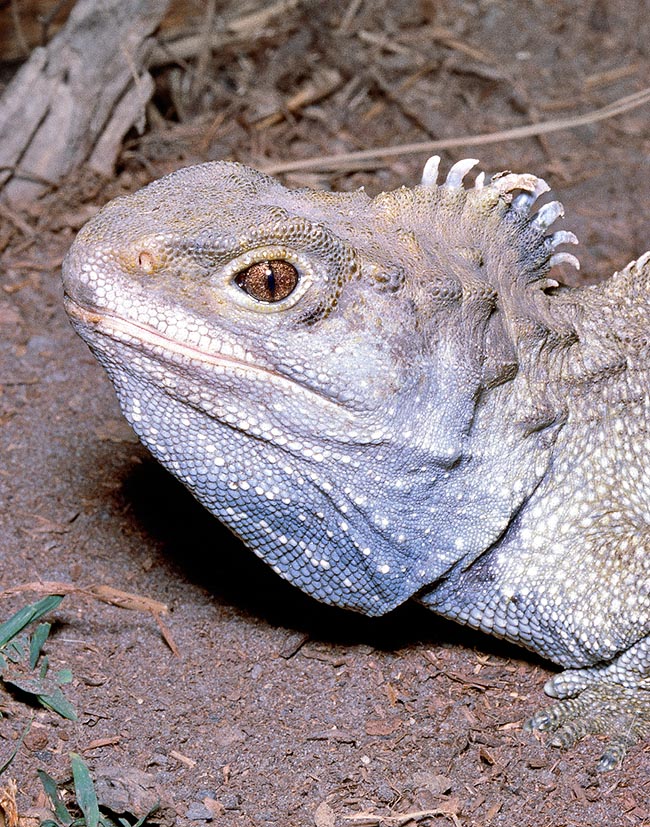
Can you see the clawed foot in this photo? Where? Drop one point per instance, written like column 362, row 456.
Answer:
column 622, row 713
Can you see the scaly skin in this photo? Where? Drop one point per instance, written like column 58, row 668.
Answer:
column 388, row 398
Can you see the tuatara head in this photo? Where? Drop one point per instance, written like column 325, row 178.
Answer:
column 353, row 385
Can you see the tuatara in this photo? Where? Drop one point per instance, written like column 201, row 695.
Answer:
column 389, row 398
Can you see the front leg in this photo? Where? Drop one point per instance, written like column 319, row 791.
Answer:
column 569, row 610
column 611, row 699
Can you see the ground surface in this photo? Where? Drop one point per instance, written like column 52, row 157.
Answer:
column 281, row 711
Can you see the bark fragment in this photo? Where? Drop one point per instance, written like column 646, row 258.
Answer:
column 74, row 99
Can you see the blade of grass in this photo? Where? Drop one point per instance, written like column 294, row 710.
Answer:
column 57, row 702
column 38, row 639
column 6, row 764
column 28, row 614
column 142, row 820
column 85, row 790
column 45, row 665
column 60, row 810
column 15, row 649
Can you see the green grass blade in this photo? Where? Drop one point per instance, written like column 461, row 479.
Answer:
column 15, row 649
column 85, row 790
column 7, row 763
column 28, row 614
column 60, row 810
column 57, row 702
column 142, row 820
column 36, row 644
column 16, row 623
column 47, row 604
column 45, row 665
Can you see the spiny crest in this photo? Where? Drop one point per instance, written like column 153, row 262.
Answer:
column 502, row 316
column 488, row 235
column 531, row 188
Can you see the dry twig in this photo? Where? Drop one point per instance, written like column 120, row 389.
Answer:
column 346, row 159
column 107, row 594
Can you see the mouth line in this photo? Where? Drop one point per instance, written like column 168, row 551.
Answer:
column 133, row 334
column 126, row 331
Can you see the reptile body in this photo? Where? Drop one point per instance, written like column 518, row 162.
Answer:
column 389, row 398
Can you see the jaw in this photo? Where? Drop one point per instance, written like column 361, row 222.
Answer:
column 154, row 343
column 227, row 384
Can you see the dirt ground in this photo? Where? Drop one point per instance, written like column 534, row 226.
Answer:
column 277, row 710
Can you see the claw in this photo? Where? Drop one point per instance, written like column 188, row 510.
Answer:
column 590, row 705
column 547, row 214
column 563, row 237
column 430, row 171
column 459, row 171
column 612, row 757
column 480, row 181
column 542, row 721
column 564, row 258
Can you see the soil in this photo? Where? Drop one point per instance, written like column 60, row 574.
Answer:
column 277, row 710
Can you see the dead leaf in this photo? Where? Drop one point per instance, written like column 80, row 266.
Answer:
column 437, row 784
column 126, row 790
column 215, row 807
column 8, row 808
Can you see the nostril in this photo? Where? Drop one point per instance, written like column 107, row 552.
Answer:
column 146, row 261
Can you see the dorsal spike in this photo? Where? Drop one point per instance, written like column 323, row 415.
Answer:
column 458, row 171
column 430, row 171
column 563, row 237
column 564, row 258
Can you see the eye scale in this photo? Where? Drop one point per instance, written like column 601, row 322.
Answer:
column 393, row 398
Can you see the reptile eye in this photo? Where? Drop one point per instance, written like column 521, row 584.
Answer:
column 268, row 281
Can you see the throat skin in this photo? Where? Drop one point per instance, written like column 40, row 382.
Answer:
column 387, row 514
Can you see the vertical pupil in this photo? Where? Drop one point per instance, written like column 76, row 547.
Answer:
column 270, row 280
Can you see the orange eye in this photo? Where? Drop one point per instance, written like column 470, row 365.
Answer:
column 268, row 281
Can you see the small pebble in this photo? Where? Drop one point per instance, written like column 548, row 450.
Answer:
column 230, row 802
